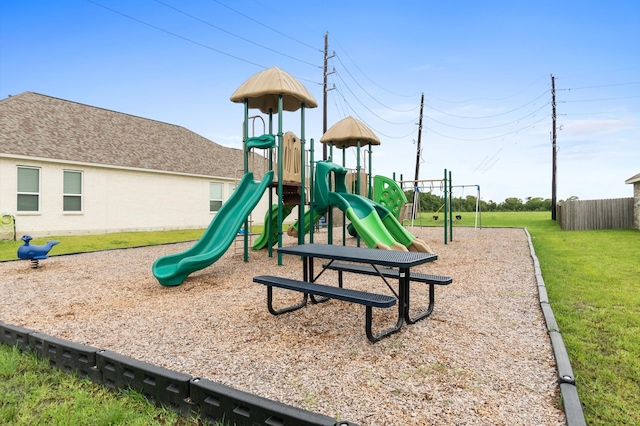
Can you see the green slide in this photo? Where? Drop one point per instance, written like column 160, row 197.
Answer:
column 173, row 269
column 293, row 229
column 271, row 226
column 374, row 223
column 368, row 219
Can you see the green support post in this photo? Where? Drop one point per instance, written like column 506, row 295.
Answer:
column 370, row 192
column 270, row 212
column 301, row 224
column 344, row 218
column 330, row 209
column 450, row 207
column 445, row 206
column 245, row 136
column 358, row 179
column 312, row 194
column 280, row 188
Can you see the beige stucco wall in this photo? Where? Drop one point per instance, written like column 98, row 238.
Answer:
column 114, row 200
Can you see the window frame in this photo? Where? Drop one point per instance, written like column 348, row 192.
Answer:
column 28, row 193
column 215, row 200
column 79, row 195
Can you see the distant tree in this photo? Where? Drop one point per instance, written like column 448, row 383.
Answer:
column 431, row 203
column 534, row 204
column 488, row 206
column 428, row 201
column 511, row 204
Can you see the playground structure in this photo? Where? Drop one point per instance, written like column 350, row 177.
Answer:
column 445, row 186
column 273, row 91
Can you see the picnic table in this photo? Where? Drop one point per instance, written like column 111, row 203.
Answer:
column 382, row 263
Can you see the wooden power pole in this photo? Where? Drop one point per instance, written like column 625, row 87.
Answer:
column 553, row 147
column 419, row 141
column 325, row 90
column 416, row 195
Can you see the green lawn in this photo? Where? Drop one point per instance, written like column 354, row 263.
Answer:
column 33, row 393
column 592, row 279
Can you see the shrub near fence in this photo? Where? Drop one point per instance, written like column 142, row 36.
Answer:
column 580, row 215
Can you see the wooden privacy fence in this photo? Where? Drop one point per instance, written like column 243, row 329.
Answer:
column 580, row 215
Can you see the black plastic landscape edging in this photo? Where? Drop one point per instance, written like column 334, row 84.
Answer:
column 179, row 392
column 570, row 399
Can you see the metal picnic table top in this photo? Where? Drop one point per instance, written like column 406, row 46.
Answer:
column 400, row 259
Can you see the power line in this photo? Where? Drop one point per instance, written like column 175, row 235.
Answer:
column 366, row 76
column 268, row 27
column 369, row 94
column 364, row 121
column 176, row 35
column 189, row 40
column 493, row 115
column 487, row 99
column 601, row 99
column 491, row 127
column 235, row 35
column 490, row 137
column 367, row 108
column 603, row 85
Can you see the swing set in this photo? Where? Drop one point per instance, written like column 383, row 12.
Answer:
column 445, row 187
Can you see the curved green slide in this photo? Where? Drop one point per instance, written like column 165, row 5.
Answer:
column 374, row 223
column 370, row 221
column 293, row 229
column 173, row 269
column 271, row 226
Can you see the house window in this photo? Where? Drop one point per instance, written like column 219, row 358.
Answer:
column 215, row 196
column 28, row 189
column 72, row 191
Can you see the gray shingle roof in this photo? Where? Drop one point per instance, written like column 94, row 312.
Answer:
column 42, row 126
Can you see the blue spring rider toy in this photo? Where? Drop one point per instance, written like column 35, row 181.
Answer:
column 34, row 253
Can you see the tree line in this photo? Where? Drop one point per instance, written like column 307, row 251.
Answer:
column 433, row 203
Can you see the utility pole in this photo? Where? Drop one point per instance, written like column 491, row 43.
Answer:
column 419, row 141
column 325, row 90
column 553, row 145
column 416, row 195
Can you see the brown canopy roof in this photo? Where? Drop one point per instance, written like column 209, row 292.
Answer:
column 263, row 89
column 347, row 132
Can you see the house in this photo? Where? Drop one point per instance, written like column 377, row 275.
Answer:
column 635, row 180
column 68, row 169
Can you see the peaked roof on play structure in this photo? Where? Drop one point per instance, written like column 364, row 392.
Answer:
column 347, row 132
column 263, row 89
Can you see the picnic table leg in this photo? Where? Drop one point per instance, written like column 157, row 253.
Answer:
column 424, row 314
column 291, row 308
column 402, row 313
column 369, row 323
column 309, row 277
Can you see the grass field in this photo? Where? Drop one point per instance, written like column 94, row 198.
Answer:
column 33, row 393
column 592, row 279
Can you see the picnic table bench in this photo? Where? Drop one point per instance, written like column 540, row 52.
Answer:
column 369, row 300
column 403, row 261
column 389, row 273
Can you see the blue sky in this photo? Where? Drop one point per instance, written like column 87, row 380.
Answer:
column 484, row 67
